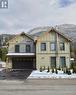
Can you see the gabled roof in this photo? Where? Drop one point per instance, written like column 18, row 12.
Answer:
column 60, row 33
column 25, row 34
column 53, row 29
column 21, row 34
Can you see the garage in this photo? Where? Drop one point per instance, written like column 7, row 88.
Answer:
column 23, row 63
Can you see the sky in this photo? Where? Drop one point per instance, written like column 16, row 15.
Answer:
column 23, row 15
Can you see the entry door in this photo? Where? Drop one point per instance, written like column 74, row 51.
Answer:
column 53, row 62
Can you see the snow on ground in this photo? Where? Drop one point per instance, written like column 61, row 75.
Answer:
column 45, row 74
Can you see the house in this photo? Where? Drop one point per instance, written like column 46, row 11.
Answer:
column 50, row 48
column 21, row 52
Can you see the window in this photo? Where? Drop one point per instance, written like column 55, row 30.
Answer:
column 43, row 46
column 62, row 46
column 53, row 46
column 62, row 61
column 28, row 48
column 53, row 62
column 17, row 48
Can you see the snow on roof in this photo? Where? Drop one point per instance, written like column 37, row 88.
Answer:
column 20, row 54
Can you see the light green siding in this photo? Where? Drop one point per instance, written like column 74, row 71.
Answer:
column 43, row 57
column 21, row 41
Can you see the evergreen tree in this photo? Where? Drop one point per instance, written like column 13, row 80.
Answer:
column 3, row 52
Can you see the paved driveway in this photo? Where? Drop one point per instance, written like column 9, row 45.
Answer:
column 38, row 87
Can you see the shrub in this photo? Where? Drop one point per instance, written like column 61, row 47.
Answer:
column 69, row 72
column 48, row 69
column 73, row 66
column 59, row 68
column 52, row 70
column 40, row 69
column 64, row 70
column 56, row 71
column 74, row 69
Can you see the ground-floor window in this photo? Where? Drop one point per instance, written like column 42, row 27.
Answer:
column 53, row 62
column 62, row 61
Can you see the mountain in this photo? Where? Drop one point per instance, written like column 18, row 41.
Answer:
column 68, row 29
column 38, row 30
column 4, row 38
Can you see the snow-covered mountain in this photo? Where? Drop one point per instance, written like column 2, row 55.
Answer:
column 38, row 30
column 68, row 29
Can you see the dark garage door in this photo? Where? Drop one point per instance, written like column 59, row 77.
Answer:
column 23, row 63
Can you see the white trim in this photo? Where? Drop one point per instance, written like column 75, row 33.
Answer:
column 20, row 54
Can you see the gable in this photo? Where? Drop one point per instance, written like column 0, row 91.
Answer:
column 60, row 34
column 46, row 36
column 22, row 38
column 51, row 35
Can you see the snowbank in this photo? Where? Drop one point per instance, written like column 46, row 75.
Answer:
column 3, row 64
column 45, row 74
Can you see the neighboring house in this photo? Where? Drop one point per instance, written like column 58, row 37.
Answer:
column 50, row 48
column 21, row 52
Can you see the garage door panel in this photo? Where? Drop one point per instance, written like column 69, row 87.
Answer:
column 22, row 63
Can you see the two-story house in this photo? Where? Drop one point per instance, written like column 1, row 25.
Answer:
column 50, row 48
column 21, row 52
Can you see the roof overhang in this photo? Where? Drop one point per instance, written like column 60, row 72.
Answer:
column 60, row 33
column 21, row 54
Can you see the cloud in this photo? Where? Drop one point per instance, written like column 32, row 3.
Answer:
column 23, row 15
column 65, row 3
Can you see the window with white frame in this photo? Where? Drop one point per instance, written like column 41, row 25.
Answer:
column 28, row 48
column 53, row 46
column 62, row 46
column 43, row 46
column 17, row 48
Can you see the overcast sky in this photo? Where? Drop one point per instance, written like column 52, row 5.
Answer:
column 23, row 15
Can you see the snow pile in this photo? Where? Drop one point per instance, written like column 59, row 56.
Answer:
column 45, row 74
column 2, row 64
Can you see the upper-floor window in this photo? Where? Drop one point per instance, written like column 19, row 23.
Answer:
column 43, row 46
column 17, row 48
column 62, row 46
column 53, row 46
column 28, row 48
